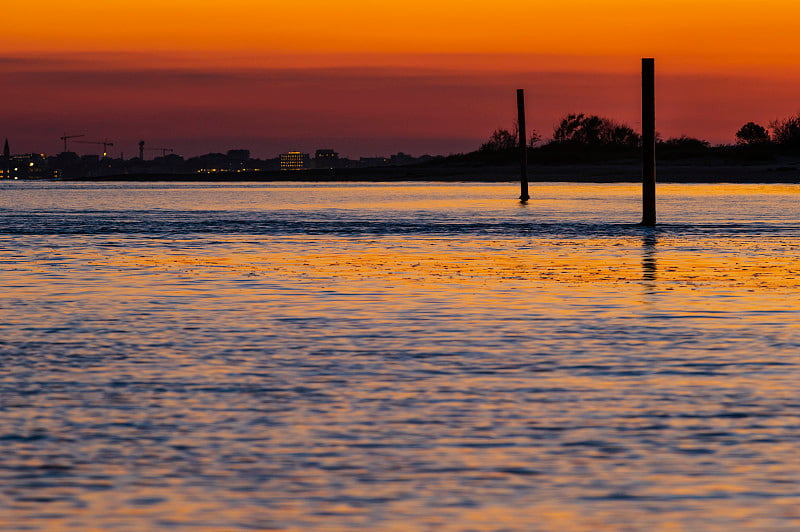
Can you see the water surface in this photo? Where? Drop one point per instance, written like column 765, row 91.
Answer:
column 398, row 357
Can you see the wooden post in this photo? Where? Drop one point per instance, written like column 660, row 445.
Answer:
column 648, row 142
column 523, row 146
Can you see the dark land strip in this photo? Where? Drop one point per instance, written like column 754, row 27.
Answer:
column 603, row 172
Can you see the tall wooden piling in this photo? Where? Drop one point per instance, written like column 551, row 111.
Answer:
column 523, row 146
column 648, row 142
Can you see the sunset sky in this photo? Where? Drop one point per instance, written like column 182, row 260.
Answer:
column 373, row 78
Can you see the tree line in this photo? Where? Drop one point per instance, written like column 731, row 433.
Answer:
column 581, row 136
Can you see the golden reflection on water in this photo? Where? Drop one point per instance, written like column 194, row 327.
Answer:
column 589, row 262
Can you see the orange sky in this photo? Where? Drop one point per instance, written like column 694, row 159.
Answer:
column 370, row 77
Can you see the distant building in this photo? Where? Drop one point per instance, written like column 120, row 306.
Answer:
column 238, row 159
column 326, row 159
column 294, row 160
column 401, row 159
column 27, row 166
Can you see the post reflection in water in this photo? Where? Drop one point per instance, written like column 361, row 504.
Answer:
column 649, row 265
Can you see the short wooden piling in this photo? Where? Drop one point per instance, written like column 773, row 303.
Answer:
column 648, row 142
column 523, row 146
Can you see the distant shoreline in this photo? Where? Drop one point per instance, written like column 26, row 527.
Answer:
column 604, row 172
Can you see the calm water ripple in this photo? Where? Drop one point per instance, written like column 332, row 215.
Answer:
column 383, row 357
column 181, row 223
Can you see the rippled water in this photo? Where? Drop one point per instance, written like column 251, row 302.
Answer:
column 383, row 357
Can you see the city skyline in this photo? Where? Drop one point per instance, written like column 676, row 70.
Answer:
column 142, row 148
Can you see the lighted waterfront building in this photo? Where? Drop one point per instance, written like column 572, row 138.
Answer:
column 26, row 166
column 326, row 159
column 294, row 160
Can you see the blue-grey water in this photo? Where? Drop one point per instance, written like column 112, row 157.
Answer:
column 398, row 357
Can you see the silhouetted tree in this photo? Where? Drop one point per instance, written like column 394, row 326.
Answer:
column 534, row 138
column 687, row 143
column 786, row 131
column 683, row 147
column 752, row 134
column 593, row 130
column 500, row 140
column 503, row 140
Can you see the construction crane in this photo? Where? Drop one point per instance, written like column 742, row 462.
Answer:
column 65, row 137
column 105, row 145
